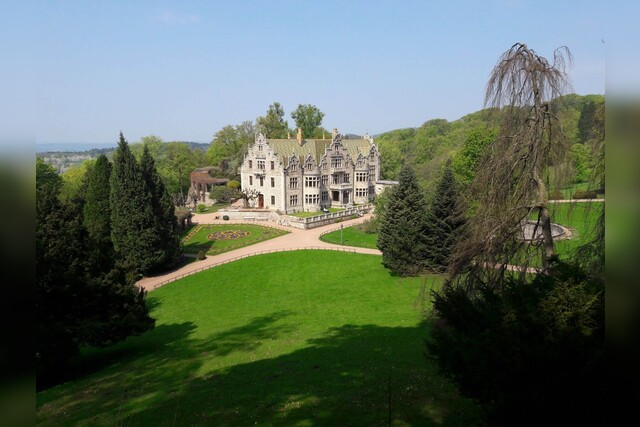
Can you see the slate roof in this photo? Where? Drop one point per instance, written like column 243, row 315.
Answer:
column 316, row 147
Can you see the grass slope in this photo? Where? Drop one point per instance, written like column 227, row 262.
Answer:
column 300, row 338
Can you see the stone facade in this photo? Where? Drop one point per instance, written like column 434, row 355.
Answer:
column 293, row 175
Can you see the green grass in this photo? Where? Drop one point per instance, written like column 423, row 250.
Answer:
column 310, row 214
column 569, row 191
column 306, row 338
column 579, row 217
column 213, row 208
column 198, row 240
column 352, row 236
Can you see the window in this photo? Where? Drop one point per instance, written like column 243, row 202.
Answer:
column 346, row 178
column 273, row 182
column 260, row 147
column 324, row 166
column 335, row 178
column 325, row 179
column 309, row 167
column 336, row 162
column 311, row 199
column 273, row 200
column 372, row 171
column 261, row 164
column 362, row 177
column 293, row 167
column 250, row 164
column 261, row 181
column 293, row 200
column 293, row 183
column 310, row 181
column 362, row 192
column 273, row 165
column 325, row 196
column 360, row 163
column 250, row 180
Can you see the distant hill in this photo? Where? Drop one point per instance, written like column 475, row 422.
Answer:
column 427, row 147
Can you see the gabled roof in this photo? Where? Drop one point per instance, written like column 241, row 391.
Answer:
column 316, row 147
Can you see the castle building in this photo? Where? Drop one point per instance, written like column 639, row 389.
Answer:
column 293, row 175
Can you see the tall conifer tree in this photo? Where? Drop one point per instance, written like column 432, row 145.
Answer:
column 165, row 222
column 97, row 209
column 444, row 221
column 402, row 236
column 133, row 229
column 78, row 299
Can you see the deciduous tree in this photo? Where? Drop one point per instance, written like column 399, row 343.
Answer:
column 307, row 117
column 273, row 124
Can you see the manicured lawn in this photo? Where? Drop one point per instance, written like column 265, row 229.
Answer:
column 226, row 238
column 580, row 218
column 351, row 236
column 213, row 208
column 306, row 338
column 310, row 214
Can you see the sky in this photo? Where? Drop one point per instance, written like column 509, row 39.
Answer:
column 183, row 70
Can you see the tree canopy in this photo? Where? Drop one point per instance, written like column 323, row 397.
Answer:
column 308, row 118
column 273, row 125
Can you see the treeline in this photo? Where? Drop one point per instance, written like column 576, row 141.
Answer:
column 90, row 251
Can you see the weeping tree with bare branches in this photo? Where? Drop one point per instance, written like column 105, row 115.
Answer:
column 514, row 176
column 518, row 342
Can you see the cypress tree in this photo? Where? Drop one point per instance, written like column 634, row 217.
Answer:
column 97, row 210
column 402, row 237
column 165, row 221
column 133, row 231
column 444, row 222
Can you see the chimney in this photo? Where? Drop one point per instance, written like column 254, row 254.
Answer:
column 288, row 135
column 335, row 132
column 300, row 136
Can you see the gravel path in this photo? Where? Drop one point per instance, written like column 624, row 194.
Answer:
column 295, row 240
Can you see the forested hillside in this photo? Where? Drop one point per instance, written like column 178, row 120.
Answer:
column 426, row 148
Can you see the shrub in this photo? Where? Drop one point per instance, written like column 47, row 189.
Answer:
column 582, row 194
column 233, row 184
column 556, row 195
column 201, row 256
column 369, row 226
column 226, row 217
column 201, row 208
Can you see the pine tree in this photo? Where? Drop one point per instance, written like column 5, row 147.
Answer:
column 165, row 221
column 444, row 222
column 402, row 236
column 133, row 230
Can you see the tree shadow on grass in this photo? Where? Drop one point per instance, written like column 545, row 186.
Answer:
column 353, row 375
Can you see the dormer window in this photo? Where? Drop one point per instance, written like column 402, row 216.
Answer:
column 260, row 147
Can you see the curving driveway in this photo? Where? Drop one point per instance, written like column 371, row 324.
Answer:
column 296, row 239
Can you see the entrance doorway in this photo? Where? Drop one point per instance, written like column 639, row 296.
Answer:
column 260, row 201
column 335, row 196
